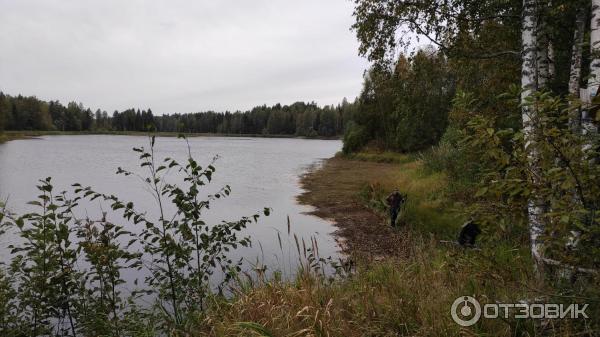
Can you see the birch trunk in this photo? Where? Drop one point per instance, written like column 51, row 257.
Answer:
column 528, row 86
column 551, row 66
column 575, row 73
column 543, row 49
column 543, row 69
column 587, row 120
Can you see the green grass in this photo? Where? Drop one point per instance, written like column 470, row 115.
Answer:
column 400, row 296
column 380, row 157
column 428, row 209
column 394, row 296
column 8, row 136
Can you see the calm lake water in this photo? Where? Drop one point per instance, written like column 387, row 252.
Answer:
column 262, row 172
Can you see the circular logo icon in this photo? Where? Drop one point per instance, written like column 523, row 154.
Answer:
column 465, row 311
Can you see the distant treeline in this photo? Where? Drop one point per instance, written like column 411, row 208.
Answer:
column 299, row 119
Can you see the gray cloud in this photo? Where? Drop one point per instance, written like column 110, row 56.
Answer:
column 179, row 56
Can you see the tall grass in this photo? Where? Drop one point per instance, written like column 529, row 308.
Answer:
column 408, row 296
column 428, row 208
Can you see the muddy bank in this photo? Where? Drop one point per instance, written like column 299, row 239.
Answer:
column 333, row 189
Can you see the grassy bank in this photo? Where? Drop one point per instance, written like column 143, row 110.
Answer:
column 352, row 191
column 12, row 135
column 8, row 136
column 405, row 279
column 405, row 296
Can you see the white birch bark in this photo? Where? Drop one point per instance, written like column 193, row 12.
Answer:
column 528, row 86
column 587, row 120
column 543, row 69
column 543, row 43
column 575, row 72
column 551, row 66
column 585, row 94
column 575, row 114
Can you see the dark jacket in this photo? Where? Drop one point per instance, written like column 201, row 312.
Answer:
column 394, row 200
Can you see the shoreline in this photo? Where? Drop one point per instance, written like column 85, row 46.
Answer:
column 333, row 190
column 15, row 135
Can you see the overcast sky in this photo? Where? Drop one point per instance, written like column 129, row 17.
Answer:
column 179, row 56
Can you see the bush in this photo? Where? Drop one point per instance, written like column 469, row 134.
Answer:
column 453, row 158
column 354, row 138
column 49, row 291
column 562, row 179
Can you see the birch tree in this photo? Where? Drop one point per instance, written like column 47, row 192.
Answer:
column 575, row 69
column 545, row 66
column 575, row 73
column 588, row 126
column 528, row 87
column 458, row 29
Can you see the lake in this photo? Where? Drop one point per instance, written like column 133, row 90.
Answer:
column 262, row 172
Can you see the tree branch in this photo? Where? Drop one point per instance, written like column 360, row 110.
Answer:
column 567, row 162
column 449, row 51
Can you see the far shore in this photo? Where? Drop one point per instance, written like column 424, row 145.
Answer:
column 14, row 135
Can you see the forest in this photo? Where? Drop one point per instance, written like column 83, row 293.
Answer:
column 490, row 119
column 20, row 113
column 501, row 99
column 503, row 102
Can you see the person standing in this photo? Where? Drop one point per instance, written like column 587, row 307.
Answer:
column 395, row 201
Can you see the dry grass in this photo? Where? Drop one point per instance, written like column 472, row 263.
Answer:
column 405, row 280
column 351, row 192
column 396, row 297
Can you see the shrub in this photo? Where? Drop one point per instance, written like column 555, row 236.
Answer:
column 563, row 180
column 452, row 157
column 48, row 291
column 354, row 138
